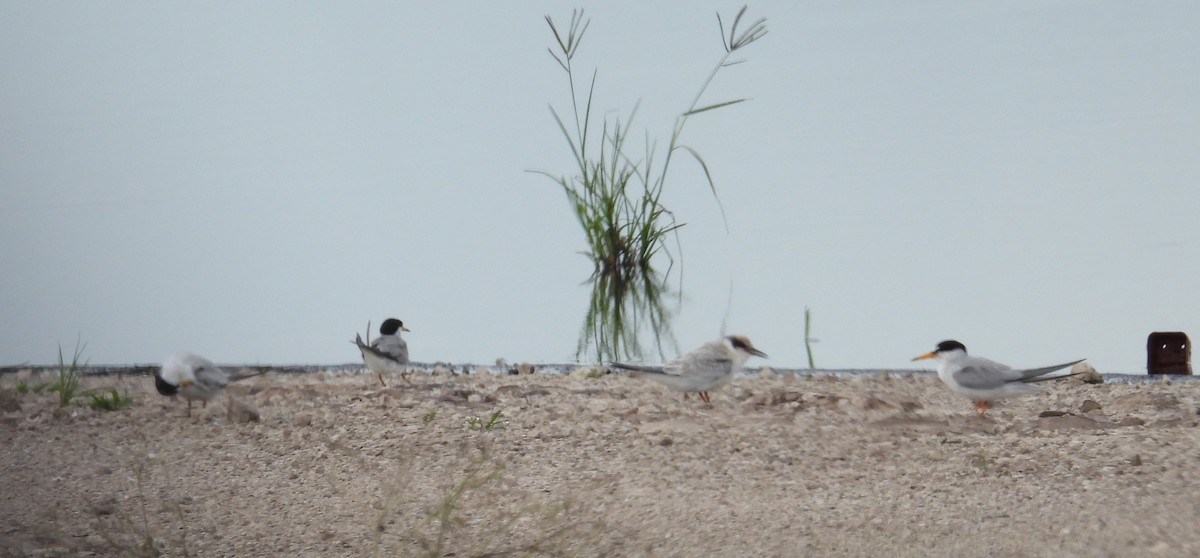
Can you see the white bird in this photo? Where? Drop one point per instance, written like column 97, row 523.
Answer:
column 195, row 378
column 709, row 367
column 388, row 352
column 983, row 380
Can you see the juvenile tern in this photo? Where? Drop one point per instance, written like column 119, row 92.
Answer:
column 195, row 378
column 709, row 367
column 386, row 353
column 983, row 380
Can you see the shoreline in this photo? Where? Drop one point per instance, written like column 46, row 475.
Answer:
column 469, row 369
column 778, row 465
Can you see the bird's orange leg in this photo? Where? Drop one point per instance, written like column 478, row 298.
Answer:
column 981, row 407
column 704, row 396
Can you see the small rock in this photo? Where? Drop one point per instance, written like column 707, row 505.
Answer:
column 107, row 506
column 589, row 372
column 778, row 397
column 302, row 420
column 241, row 412
column 1136, row 460
column 665, row 442
column 1131, row 420
column 440, row 370
column 9, row 401
column 1089, row 406
column 910, row 406
column 1045, row 414
column 766, row 373
column 872, row 403
column 1133, row 401
column 1086, row 374
column 1071, row 422
column 525, row 368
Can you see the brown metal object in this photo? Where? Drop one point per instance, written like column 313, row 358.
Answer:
column 1168, row 352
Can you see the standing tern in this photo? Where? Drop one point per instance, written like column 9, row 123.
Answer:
column 983, row 380
column 195, row 378
column 709, row 367
column 388, row 352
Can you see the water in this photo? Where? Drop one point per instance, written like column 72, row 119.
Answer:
column 467, row 369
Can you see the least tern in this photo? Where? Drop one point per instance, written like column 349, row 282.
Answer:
column 983, row 380
column 709, row 367
column 388, row 352
column 194, row 378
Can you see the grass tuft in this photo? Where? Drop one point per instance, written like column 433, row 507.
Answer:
column 616, row 196
column 67, row 384
column 110, row 401
column 481, row 513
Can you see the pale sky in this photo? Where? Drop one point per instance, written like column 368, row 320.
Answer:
column 254, row 181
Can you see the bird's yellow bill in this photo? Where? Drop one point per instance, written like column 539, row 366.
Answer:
column 185, row 383
column 402, row 328
column 924, row 356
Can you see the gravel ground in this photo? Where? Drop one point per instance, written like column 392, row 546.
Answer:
column 779, row 465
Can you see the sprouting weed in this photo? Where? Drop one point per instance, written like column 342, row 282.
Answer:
column 616, row 198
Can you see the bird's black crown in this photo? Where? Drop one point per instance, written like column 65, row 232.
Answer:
column 950, row 345
column 390, row 326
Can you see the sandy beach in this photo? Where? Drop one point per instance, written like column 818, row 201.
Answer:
column 778, row 465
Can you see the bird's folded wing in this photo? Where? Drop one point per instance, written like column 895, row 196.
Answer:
column 1031, row 374
column 211, row 376
column 378, row 354
column 701, row 366
column 974, row 376
column 639, row 368
column 393, row 347
column 247, row 372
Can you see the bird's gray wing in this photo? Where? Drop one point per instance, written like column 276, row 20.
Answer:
column 246, row 372
column 1032, row 375
column 210, row 376
column 393, row 347
column 981, row 373
column 370, row 353
column 711, row 360
column 638, row 368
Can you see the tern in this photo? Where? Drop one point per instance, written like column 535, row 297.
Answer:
column 709, row 367
column 388, row 352
column 983, row 380
column 195, row 378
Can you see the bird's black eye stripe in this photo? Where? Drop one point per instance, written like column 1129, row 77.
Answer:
column 737, row 343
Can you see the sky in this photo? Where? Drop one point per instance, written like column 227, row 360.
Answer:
column 255, row 181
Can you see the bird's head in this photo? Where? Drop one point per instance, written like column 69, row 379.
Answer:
column 741, row 345
column 946, row 349
column 390, row 326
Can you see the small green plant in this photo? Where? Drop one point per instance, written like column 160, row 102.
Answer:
column 616, row 197
column 111, row 401
column 131, row 534
column 450, row 526
column 476, row 423
column 22, row 387
column 428, row 417
column 67, row 384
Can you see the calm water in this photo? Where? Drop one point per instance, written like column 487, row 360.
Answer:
column 459, row 369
